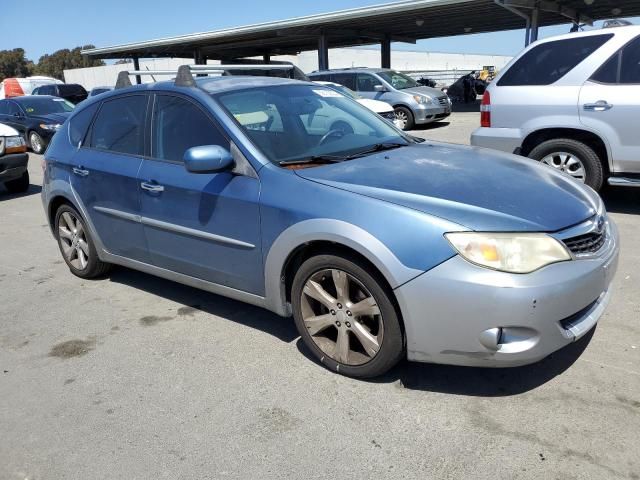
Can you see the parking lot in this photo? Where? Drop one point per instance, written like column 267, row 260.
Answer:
column 135, row 377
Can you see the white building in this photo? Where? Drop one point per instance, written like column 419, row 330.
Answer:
column 434, row 64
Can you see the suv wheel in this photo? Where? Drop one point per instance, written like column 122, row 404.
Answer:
column 572, row 157
column 19, row 185
column 404, row 118
column 76, row 244
column 345, row 316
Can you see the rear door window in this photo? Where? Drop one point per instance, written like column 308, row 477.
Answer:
column 549, row 62
column 178, row 125
column 346, row 79
column 119, row 126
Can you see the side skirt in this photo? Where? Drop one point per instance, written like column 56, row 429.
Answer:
column 222, row 290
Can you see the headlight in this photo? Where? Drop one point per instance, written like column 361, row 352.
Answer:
column 422, row 99
column 509, row 252
column 14, row 145
column 51, row 126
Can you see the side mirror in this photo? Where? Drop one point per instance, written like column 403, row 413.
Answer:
column 379, row 88
column 17, row 114
column 208, row 159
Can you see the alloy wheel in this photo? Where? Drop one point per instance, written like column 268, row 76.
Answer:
column 73, row 241
column 36, row 142
column 566, row 162
column 342, row 317
column 401, row 119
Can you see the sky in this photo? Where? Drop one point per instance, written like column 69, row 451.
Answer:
column 75, row 22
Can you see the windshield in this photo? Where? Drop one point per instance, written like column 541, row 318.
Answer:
column 398, row 80
column 45, row 106
column 291, row 123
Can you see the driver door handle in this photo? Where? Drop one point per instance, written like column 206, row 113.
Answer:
column 599, row 106
column 152, row 187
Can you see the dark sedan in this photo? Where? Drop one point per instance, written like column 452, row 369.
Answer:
column 37, row 118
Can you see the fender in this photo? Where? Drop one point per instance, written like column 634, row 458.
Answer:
column 330, row 230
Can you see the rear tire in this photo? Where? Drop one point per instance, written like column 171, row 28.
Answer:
column 560, row 153
column 19, row 185
column 338, row 301
column 76, row 245
column 405, row 117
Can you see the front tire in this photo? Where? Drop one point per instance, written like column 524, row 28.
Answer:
column 76, row 245
column 404, row 117
column 572, row 157
column 19, row 185
column 345, row 316
column 36, row 143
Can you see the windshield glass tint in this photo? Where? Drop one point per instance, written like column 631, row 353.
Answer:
column 295, row 122
column 398, row 80
column 45, row 106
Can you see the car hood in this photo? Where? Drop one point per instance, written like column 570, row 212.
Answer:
column 376, row 105
column 429, row 91
column 51, row 118
column 476, row 188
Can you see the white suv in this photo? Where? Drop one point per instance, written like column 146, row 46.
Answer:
column 572, row 102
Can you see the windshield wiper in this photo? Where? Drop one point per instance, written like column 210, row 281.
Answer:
column 378, row 147
column 312, row 159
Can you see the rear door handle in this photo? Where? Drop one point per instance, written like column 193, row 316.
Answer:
column 599, row 106
column 81, row 172
column 152, row 187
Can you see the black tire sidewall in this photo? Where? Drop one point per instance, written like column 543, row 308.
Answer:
column 392, row 346
column 594, row 175
column 94, row 266
column 410, row 120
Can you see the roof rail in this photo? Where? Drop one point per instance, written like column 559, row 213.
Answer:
column 184, row 73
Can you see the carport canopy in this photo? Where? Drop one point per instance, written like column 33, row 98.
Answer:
column 405, row 21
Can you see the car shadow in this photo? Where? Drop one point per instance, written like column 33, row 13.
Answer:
column 469, row 381
column 471, row 107
column 194, row 299
column 32, row 190
column 622, row 199
column 477, row 381
column 429, row 126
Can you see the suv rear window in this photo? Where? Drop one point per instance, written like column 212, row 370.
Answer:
column 623, row 67
column 550, row 61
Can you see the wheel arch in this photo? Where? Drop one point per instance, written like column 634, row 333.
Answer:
column 309, row 237
column 587, row 137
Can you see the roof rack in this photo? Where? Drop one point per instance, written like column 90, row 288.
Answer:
column 184, row 73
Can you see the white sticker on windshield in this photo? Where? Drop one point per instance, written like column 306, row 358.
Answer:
column 328, row 93
column 58, row 99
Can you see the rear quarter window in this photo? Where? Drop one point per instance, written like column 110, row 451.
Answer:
column 549, row 62
column 79, row 124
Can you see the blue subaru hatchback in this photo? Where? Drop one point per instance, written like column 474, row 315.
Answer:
column 287, row 195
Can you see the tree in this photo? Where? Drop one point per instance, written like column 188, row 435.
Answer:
column 54, row 65
column 14, row 64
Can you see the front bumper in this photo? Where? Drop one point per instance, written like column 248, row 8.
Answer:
column 430, row 113
column 450, row 311
column 13, row 166
column 504, row 139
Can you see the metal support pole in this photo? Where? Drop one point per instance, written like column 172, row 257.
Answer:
column 266, row 58
column 323, row 52
column 136, row 66
column 385, row 52
column 535, row 19
column 198, row 58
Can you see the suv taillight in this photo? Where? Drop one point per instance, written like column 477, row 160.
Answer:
column 485, row 110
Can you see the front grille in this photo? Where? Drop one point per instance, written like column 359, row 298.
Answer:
column 443, row 101
column 587, row 243
column 389, row 115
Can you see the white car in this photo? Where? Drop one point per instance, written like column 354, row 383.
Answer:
column 383, row 109
column 13, row 160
